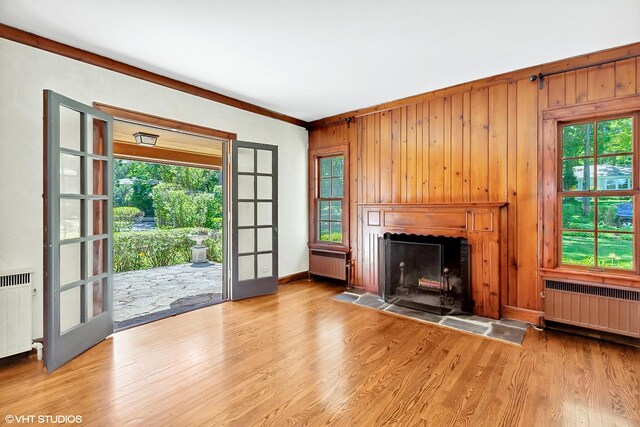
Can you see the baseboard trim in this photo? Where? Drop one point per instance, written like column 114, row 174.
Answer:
column 303, row 275
column 526, row 315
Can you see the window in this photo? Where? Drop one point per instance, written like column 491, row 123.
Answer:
column 598, row 192
column 330, row 198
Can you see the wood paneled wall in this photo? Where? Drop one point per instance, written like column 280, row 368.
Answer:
column 479, row 143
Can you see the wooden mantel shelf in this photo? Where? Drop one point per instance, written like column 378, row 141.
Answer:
column 481, row 223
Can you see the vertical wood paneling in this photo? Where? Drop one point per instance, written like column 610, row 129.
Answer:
column 386, row 166
column 512, row 197
column 447, row 149
column 480, row 145
column 557, row 92
column 526, row 162
column 601, row 82
column 625, row 77
column 466, row 146
column 473, row 145
column 412, row 154
column 352, row 140
column 419, row 153
column 396, row 154
column 426, row 154
column 436, row 150
column 498, row 104
column 456, row 148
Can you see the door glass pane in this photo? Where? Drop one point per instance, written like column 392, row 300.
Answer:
column 265, row 239
column 615, row 250
column 246, row 240
column 246, row 267
column 614, row 136
column 69, row 128
column 264, row 187
column 577, row 140
column 69, row 174
column 614, row 173
column 69, row 219
column 577, row 213
column 265, row 216
column 323, row 207
column 245, row 214
column 336, row 211
column 578, row 248
column 98, row 136
column 325, row 166
column 96, row 257
column 95, row 292
column 245, row 160
column 337, row 186
column 245, row 187
column 615, row 213
column 575, row 175
column 97, row 218
column 264, row 161
column 96, row 177
column 70, row 308
column 70, row 263
column 264, row 265
column 325, row 188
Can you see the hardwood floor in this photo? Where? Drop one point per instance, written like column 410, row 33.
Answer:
column 301, row 358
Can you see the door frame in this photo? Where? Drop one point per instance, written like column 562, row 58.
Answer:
column 179, row 158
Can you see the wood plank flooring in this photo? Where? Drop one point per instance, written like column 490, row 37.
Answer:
column 301, row 358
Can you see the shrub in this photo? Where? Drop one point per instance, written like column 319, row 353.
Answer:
column 179, row 208
column 125, row 216
column 159, row 248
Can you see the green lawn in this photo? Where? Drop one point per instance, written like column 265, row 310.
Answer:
column 614, row 250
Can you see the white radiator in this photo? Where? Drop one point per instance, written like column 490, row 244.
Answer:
column 15, row 311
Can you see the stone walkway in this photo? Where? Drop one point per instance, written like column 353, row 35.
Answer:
column 144, row 292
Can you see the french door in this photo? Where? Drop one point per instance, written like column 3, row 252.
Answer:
column 254, row 220
column 78, row 248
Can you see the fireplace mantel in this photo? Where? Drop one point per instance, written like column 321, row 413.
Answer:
column 478, row 222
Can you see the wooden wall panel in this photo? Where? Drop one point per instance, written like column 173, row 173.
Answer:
column 476, row 144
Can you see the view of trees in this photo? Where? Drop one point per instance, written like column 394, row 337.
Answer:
column 181, row 200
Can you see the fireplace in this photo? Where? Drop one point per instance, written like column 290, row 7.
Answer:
column 426, row 273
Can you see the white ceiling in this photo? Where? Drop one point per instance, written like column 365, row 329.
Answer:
column 312, row 59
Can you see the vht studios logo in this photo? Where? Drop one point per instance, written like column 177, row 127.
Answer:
column 43, row 419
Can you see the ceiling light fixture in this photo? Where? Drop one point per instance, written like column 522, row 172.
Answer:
column 146, row 138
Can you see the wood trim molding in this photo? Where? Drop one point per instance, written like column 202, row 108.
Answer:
column 530, row 316
column 148, row 119
column 303, row 275
column 162, row 155
column 39, row 42
column 614, row 54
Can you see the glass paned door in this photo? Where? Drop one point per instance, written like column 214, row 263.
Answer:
column 78, row 251
column 254, row 220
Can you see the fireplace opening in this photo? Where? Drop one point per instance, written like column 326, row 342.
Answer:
column 429, row 273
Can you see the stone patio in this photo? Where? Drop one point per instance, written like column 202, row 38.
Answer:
column 142, row 293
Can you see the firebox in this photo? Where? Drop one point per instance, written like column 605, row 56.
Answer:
column 429, row 273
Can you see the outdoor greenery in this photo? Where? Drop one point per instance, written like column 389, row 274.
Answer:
column 158, row 248
column 613, row 228
column 183, row 200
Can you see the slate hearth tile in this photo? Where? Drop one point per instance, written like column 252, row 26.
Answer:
column 473, row 318
column 513, row 323
column 464, row 325
column 346, row 297
column 506, row 333
column 416, row 314
column 357, row 291
column 369, row 300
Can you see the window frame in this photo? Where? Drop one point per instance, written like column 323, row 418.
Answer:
column 314, row 197
column 633, row 192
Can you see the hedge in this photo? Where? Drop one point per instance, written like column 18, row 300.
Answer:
column 158, row 248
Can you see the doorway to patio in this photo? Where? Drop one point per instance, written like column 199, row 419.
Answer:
column 168, row 220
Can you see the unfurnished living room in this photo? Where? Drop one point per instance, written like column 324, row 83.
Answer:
column 350, row 213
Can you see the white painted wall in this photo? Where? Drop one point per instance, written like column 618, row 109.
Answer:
column 25, row 72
